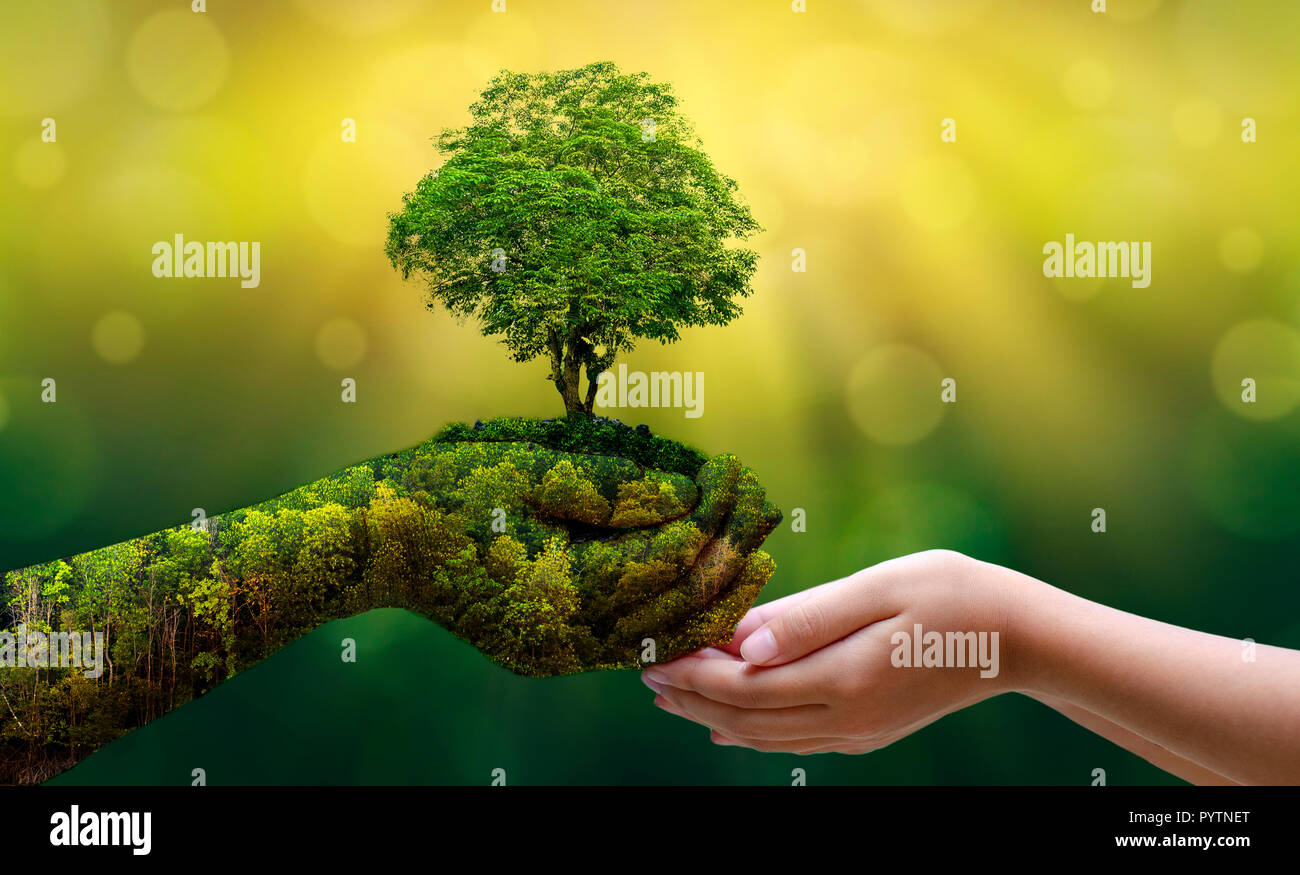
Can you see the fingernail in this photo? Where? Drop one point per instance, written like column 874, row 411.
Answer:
column 759, row 647
column 658, row 675
column 651, row 683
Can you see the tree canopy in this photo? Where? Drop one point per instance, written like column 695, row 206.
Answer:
column 574, row 215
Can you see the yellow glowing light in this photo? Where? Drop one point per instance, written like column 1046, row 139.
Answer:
column 51, row 53
column 893, row 394
column 136, row 205
column 177, row 60
column 1241, row 250
column 1088, row 84
column 350, row 17
column 1133, row 10
column 1197, row 122
column 341, row 343
column 927, row 16
column 38, row 164
column 937, row 194
column 118, row 337
column 1266, row 352
column 350, row 188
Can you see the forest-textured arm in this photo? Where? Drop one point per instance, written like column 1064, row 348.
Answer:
column 553, row 547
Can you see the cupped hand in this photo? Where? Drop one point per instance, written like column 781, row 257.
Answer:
column 834, row 668
column 552, row 561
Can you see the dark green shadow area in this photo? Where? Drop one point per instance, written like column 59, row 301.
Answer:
column 421, row 707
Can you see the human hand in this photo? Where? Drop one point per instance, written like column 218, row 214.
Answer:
column 817, row 672
column 552, row 561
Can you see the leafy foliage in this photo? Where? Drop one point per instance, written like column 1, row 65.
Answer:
column 595, row 435
column 548, row 560
column 573, row 216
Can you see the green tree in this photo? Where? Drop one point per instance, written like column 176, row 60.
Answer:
column 574, row 215
column 109, row 595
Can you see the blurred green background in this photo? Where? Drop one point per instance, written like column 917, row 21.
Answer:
column 924, row 262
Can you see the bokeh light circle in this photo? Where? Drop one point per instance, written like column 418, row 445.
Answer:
column 1197, row 122
column 51, row 52
column 1241, row 250
column 1088, row 84
column 1241, row 54
column 927, row 16
column 38, row 164
column 1266, row 351
column 118, row 337
column 899, row 519
column 893, row 394
column 350, row 17
column 341, row 343
column 135, row 205
column 350, row 188
column 937, row 193
column 177, row 60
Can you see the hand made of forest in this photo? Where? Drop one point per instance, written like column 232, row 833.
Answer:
column 552, row 547
column 553, row 561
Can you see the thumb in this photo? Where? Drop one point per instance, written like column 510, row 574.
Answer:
column 813, row 623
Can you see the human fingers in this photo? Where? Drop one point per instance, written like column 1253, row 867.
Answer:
column 732, row 681
column 801, row 721
column 826, row 617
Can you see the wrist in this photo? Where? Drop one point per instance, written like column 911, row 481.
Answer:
column 1020, row 614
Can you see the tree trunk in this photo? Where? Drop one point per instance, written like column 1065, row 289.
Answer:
column 567, row 359
column 596, row 365
column 572, row 404
column 563, row 376
column 593, row 383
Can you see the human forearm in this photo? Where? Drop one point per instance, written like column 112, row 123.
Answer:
column 1188, row 692
column 1135, row 744
column 832, row 669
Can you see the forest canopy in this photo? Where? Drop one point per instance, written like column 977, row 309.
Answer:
column 576, row 214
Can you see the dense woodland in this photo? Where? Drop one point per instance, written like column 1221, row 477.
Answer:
column 179, row 610
column 183, row 609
